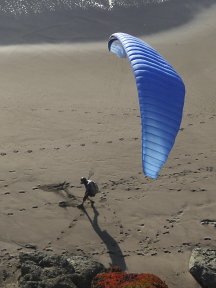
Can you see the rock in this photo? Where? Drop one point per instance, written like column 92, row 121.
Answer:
column 30, row 271
column 85, row 270
column 202, row 266
column 35, row 257
column 41, row 270
column 59, row 282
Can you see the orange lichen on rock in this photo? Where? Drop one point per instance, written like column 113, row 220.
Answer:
column 125, row 280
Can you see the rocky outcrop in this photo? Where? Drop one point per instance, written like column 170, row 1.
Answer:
column 202, row 266
column 40, row 270
column 85, row 270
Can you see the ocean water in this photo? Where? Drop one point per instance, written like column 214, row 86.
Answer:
column 19, row 7
column 67, row 21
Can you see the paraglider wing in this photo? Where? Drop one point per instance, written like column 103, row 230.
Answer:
column 161, row 94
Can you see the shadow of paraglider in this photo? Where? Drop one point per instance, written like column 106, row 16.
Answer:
column 116, row 255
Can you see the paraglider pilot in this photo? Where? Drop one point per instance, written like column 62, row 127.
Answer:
column 91, row 190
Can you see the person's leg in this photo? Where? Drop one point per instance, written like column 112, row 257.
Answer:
column 84, row 198
column 92, row 202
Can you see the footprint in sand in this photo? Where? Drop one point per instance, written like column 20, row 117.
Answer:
column 83, row 144
column 68, row 145
column 198, row 190
column 29, row 151
column 41, row 149
column 56, row 148
column 167, row 251
column 208, row 222
column 175, row 219
column 95, row 142
column 15, row 151
column 207, row 238
column 3, row 154
column 211, row 117
column 95, row 253
column 7, row 193
column 22, row 209
column 186, row 244
column 121, row 139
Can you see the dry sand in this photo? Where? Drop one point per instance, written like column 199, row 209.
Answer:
column 69, row 108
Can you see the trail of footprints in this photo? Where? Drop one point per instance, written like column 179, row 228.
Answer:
column 131, row 183
column 30, row 151
column 147, row 244
column 128, row 184
column 132, row 112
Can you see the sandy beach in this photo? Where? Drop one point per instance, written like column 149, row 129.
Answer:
column 71, row 108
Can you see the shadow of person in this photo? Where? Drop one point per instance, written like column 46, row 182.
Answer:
column 116, row 256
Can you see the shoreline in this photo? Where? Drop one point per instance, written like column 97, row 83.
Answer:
column 92, row 25
column 194, row 27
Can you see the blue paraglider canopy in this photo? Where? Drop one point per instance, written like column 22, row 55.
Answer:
column 161, row 94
